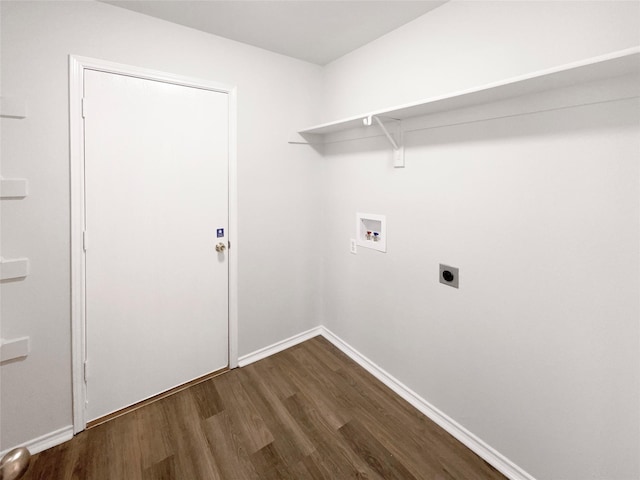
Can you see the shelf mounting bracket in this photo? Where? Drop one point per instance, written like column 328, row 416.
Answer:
column 397, row 143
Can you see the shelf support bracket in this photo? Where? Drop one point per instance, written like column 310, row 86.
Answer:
column 397, row 143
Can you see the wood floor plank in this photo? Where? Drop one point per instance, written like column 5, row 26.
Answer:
column 308, row 468
column 126, row 458
column 192, row 456
column 73, row 466
column 307, row 380
column 373, row 452
column 245, row 415
column 162, row 470
column 326, row 351
column 270, row 465
column 333, row 454
column 307, row 413
column 207, row 398
column 270, row 369
column 98, row 447
column 288, row 437
column 227, row 447
column 153, row 435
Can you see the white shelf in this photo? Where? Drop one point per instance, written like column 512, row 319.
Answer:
column 13, row 107
column 13, row 268
column 616, row 64
column 14, row 348
column 13, row 187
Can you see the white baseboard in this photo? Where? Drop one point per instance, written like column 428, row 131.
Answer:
column 48, row 440
column 278, row 346
column 476, row 445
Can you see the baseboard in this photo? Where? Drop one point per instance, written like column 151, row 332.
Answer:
column 49, row 440
column 476, row 445
column 278, row 346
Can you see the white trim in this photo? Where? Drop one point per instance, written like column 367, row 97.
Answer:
column 233, row 228
column 147, row 74
column 77, row 66
column 49, row 440
column 279, row 346
column 76, row 167
column 475, row 444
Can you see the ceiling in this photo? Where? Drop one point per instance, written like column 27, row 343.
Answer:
column 315, row 31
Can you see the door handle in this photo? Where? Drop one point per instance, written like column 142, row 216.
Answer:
column 14, row 464
column 221, row 247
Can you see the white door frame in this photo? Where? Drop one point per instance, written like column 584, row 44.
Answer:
column 77, row 66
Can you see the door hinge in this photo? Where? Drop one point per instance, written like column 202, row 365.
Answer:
column 84, row 240
column 84, row 107
column 86, row 370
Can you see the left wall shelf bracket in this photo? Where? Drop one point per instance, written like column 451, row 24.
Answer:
column 396, row 139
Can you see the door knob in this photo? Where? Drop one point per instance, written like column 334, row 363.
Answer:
column 14, row 464
column 221, row 247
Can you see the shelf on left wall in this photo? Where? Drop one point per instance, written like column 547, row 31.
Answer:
column 13, row 187
column 11, row 268
column 13, row 107
column 14, row 348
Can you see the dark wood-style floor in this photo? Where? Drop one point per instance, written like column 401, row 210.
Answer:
column 306, row 413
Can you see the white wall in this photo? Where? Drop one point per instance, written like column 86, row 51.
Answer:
column 541, row 362
column 277, row 280
column 538, row 351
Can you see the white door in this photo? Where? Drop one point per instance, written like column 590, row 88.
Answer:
column 156, row 195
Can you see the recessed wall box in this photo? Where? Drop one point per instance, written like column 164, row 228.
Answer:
column 371, row 231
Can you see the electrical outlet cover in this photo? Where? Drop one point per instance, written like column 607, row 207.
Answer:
column 449, row 275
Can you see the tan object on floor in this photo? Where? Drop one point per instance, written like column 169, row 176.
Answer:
column 14, row 464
